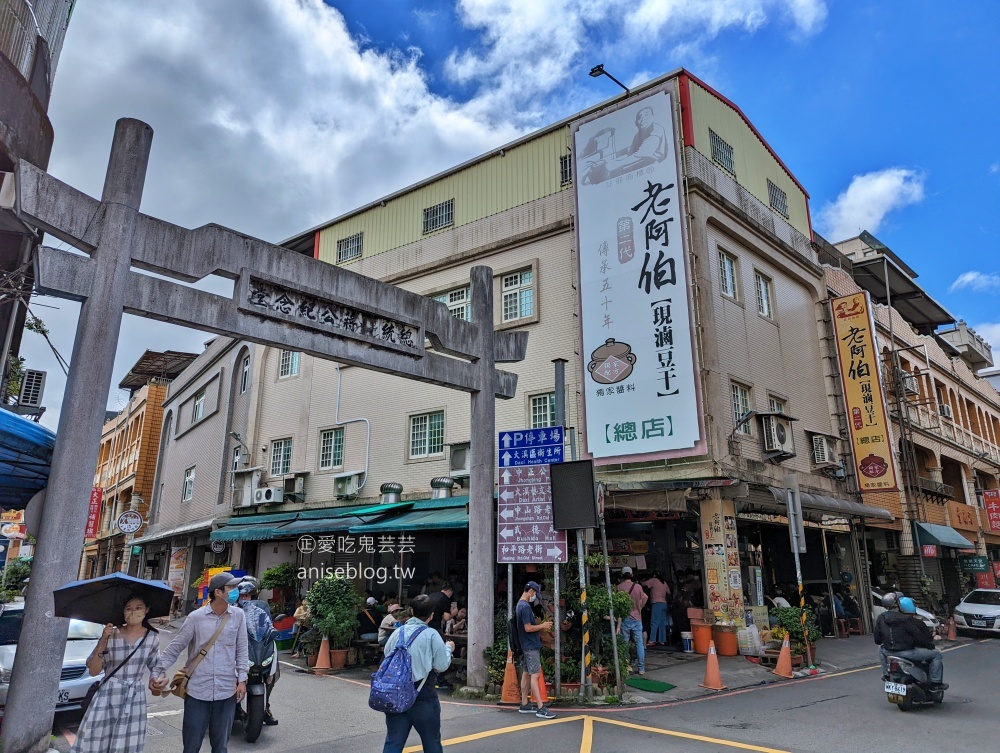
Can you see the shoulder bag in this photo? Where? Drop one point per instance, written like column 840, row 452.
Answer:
column 88, row 699
column 178, row 685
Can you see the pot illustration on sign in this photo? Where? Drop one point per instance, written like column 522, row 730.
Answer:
column 612, row 362
column 873, row 466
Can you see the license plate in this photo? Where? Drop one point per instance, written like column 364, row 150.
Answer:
column 63, row 696
column 978, row 623
column 895, row 688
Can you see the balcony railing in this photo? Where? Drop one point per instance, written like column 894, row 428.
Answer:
column 935, row 488
column 697, row 165
column 927, row 419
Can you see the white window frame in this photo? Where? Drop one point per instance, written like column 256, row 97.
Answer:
column 439, row 216
column 198, row 407
column 565, row 169
column 331, row 446
column 237, row 457
column 776, row 405
column 245, row 375
column 728, row 275
column 458, row 301
column 187, row 488
column 419, row 437
column 288, row 364
column 351, row 247
column 764, row 289
column 518, row 290
column 741, row 402
column 281, row 464
column 535, row 410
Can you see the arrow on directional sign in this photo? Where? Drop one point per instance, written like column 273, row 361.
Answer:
column 506, row 440
column 554, row 552
column 505, row 513
column 506, row 458
column 506, row 494
column 506, row 533
column 505, row 476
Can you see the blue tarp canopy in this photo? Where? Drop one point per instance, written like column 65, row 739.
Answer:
column 25, row 459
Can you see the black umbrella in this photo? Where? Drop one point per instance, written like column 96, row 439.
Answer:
column 102, row 600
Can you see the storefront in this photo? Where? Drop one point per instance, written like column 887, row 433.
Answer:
column 177, row 557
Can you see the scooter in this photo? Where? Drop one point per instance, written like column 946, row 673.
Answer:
column 262, row 654
column 908, row 685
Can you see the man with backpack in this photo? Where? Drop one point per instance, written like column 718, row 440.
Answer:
column 531, row 646
column 412, row 671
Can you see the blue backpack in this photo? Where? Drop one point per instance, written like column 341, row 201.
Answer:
column 392, row 685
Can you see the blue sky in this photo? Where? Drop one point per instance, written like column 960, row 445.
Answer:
column 274, row 115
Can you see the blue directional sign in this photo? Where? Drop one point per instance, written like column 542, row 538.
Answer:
column 530, row 447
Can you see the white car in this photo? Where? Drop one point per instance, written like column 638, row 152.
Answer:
column 926, row 617
column 75, row 680
column 979, row 610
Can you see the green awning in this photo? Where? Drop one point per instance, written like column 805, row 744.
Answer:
column 450, row 518
column 371, row 509
column 323, row 525
column 443, row 503
column 929, row 533
column 253, row 527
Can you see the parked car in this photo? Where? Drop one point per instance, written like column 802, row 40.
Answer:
column 75, row 679
column 979, row 611
column 929, row 619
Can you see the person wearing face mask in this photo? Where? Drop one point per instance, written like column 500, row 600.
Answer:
column 528, row 629
column 116, row 717
column 218, row 681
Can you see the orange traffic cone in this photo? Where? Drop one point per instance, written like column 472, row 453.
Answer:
column 713, row 677
column 952, row 630
column 784, row 668
column 543, row 693
column 323, row 658
column 511, row 693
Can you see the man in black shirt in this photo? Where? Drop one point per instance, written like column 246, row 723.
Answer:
column 905, row 635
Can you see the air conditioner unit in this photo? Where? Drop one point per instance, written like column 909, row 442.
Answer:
column 778, row 436
column 823, row 450
column 346, row 485
column 296, row 487
column 241, row 498
column 32, row 389
column 910, row 384
column 944, row 410
column 268, row 495
column 459, row 461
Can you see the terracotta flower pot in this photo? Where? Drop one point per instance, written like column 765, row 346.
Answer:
column 338, row 658
column 311, row 660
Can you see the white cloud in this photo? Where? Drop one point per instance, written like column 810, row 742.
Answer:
column 867, row 201
column 986, row 283
column 990, row 332
column 995, row 168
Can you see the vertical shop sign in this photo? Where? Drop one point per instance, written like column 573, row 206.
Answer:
column 722, row 561
column 178, row 566
column 94, row 513
column 991, row 501
column 854, row 330
column 640, row 392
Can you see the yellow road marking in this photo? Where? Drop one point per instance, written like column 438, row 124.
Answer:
column 588, row 735
column 494, row 732
column 688, row 736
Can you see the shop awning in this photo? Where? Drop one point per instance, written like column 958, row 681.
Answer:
column 929, row 533
column 253, row 527
column 323, row 525
column 369, row 510
column 667, row 500
column 834, row 506
column 419, row 520
column 197, row 525
column 25, row 457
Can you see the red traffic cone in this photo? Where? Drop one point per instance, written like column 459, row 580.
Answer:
column 784, row 668
column 511, row 693
column 713, row 677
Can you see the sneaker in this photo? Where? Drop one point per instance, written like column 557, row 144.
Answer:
column 528, row 709
column 269, row 720
column 544, row 713
column 941, row 686
column 642, row 671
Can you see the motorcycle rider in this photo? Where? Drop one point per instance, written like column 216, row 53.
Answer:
column 891, row 603
column 905, row 635
column 258, row 615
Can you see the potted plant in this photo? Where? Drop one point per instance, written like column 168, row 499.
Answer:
column 311, row 640
column 790, row 624
column 283, row 580
column 334, row 604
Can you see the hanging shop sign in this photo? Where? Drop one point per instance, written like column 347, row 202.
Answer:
column 973, row 564
column 854, row 329
column 963, row 516
column 930, row 550
column 129, row 521
column 991, row 501
column 639, row 383
column 94, row 512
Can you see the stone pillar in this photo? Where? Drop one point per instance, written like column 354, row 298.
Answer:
column 30, row 708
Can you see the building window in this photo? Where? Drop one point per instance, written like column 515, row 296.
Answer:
column 565, row 169
column 350, row 247
column 439, row 216
column 289, row 364
column 198, row 407
column 427, row 434
column 281, row 457
column 245, row 375
column 543, row 410
column 741, row 406
column 459, row 302
column 187, row 492
column 727, row 274
column 237, row 456
column 518, row 295
column 331, row 449
column 722, row 153
column 776, row 405
column 763, row 286
column 778, row 199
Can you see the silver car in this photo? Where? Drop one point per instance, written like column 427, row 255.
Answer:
column 979, row 611
column 75, row 680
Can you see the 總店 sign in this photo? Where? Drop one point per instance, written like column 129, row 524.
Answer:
column 854, row 330
column 640, row 393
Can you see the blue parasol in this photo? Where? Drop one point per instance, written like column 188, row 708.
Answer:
column 102, row 600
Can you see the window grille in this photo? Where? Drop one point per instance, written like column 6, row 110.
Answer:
column 439, row 216
column 350, row 247
column 778, row 199
column 722, row 153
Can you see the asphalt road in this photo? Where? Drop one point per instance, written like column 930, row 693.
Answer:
column 844, row 712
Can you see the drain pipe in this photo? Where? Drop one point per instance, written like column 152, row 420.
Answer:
column 368, row 427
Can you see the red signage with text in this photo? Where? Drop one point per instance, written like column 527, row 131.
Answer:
column 996, row 569
column 991, row 501
column 930, row 550
column 94, row 514
column 985, row 580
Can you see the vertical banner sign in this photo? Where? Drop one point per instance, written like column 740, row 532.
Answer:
column 854, row 329
column 524, row 516
column 639, row 362
column 991, row 501
column 94, row 512
column 178, row 566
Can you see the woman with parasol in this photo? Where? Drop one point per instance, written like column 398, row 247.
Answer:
column 115, row 720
